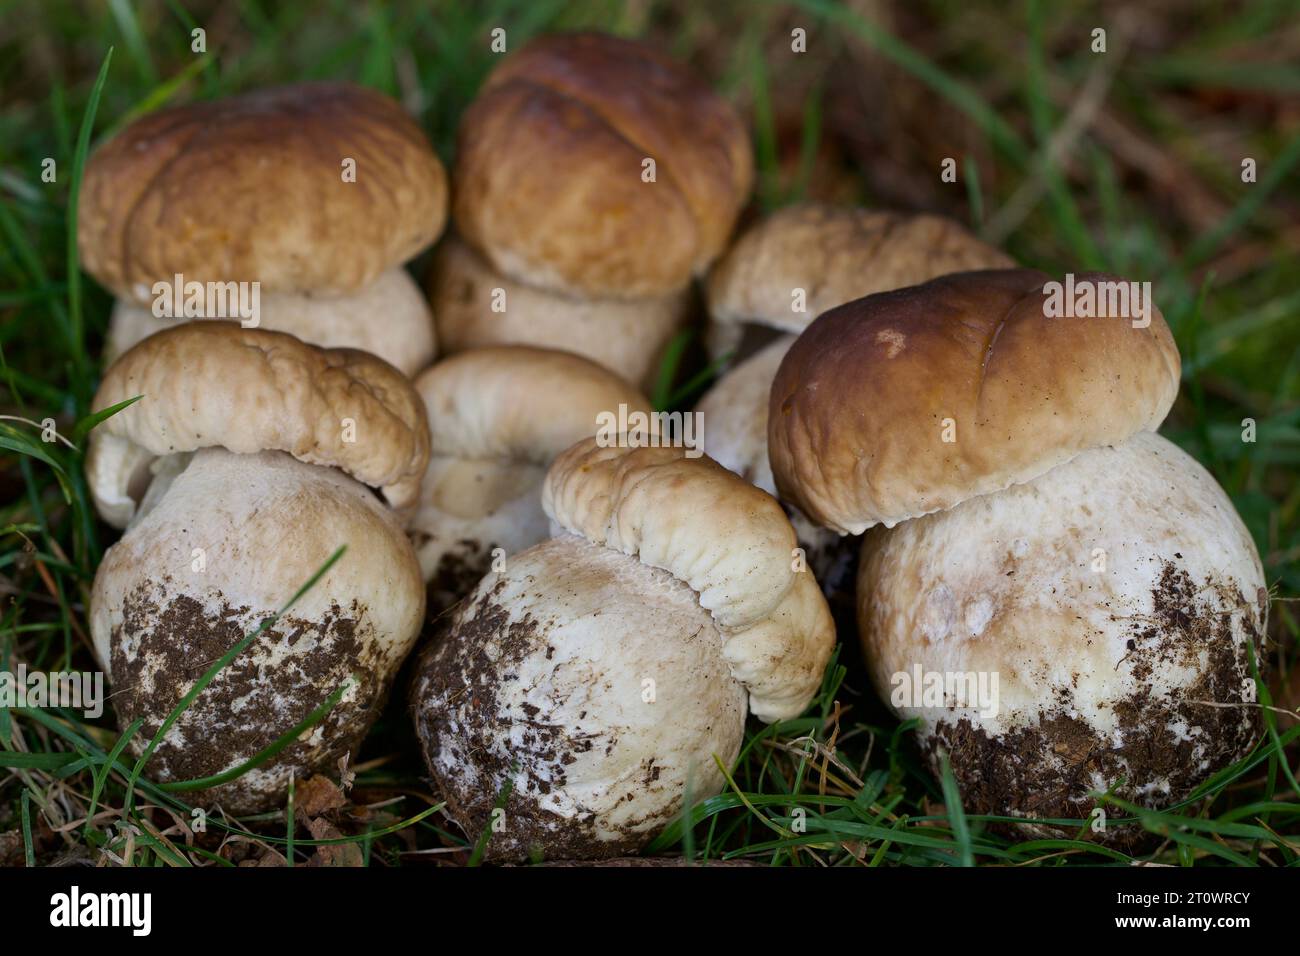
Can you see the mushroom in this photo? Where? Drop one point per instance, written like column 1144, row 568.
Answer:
column 582, row 697
column 251, row 452
column 498, row 417
column 780, row 275
column 316, row 192
column 829, row 255
column 1065, row 599
column 592, row 169
column 478, row 307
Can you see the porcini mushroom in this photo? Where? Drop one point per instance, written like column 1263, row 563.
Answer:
column 589, row 168
column 1080, row 589
column 498, row 417
column 250, row 453
column 602, row 677
column 780, row 275
column 809, row 257
column 478, row 307
column 316, row 192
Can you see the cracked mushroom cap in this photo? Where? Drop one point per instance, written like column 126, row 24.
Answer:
column 206, row 384
column 389, row 318
column 835, row 254
column 1113, row 598
column 497, row 418
column 252, row 188
column 220, row 546
column 549, row 169
column 476, row 307
column 909, row 402
column 603, row 674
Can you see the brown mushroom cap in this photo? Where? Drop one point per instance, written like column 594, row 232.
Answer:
column 214, row 384
column 549, row 169
column 908, row 402
column 251, row 188
column 835, row 254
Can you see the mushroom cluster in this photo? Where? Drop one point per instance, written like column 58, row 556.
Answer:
column 317, row 193
column 580, row 698
column 248, row 461
column 1080, row 591
column 603, row 611
column 594, row 177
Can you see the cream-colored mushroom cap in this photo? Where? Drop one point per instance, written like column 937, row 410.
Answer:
column 1112, row 599
column 206, row 384
column 729, row 541
column 833, row 254
column 475, row 306
column 908, row 402
column 389, row 318
column 497, row 417
column 222, row 544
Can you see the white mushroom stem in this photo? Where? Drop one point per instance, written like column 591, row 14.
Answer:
column 1107, row 604
column 225, row 547
column 388, row 317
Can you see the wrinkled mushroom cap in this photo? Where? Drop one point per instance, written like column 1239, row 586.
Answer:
column 549, row 169
column 229, row 543
column 835, row 254
column 251, row 188
column 1113, row 596
column 389, row 318
column 729, row 541
column 476, row 306
column 908, row 402
column 497, row 417
column 206, row 384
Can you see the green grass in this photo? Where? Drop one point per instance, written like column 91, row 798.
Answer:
column 842, row 785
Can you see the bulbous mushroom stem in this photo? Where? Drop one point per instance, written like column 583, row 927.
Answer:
column 225, row 547
column 583, row 693
column 1087, row 629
